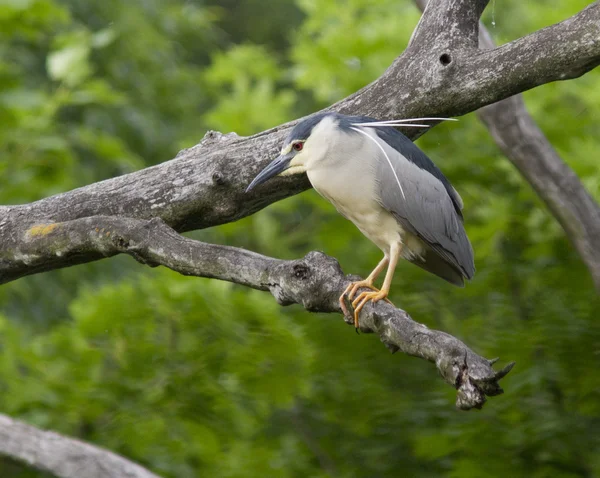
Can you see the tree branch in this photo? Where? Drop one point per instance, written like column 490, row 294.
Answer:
column 204, row 185
column 315, row 282
column 439, row 74
column 437, row 77
column 522, row 141
column 453, row 23
column 63, row 456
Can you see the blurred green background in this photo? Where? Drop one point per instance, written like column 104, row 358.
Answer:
column 192, row 377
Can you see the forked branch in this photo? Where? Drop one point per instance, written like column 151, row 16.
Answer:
column 315, row 282
column 442, row 73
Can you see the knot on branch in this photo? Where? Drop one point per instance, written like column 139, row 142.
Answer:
column 312, row 281
column 218, row 179
column 216, row 136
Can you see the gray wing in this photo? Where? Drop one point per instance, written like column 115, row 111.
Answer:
column 416, row 192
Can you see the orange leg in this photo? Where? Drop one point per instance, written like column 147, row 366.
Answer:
column 368, row 282
column 373, row 296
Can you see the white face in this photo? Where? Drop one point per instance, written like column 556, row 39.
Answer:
column 312, row 150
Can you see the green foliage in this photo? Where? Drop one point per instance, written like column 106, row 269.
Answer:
column 342, row 47
column 128, row 369
column 243, row 82
column 192, row 377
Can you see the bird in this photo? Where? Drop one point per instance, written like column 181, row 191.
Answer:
column 381, row 181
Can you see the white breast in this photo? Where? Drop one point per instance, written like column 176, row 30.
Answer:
column 349, row 183
column 350, row 187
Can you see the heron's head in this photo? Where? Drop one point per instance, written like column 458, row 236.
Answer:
column 306, row 143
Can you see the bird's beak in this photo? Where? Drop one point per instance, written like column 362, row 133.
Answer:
column 278, row 165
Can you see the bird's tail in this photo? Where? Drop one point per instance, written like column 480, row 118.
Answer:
column 435, row 264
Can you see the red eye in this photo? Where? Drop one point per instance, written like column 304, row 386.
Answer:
column 298, row 146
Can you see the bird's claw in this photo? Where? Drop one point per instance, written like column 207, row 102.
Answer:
column 357, row 304
column 363, row 298
column 350, row 292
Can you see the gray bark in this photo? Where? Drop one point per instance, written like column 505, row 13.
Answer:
column 204, row 185
column 315, row 282
column 442, row 73
column 526, row 146
column 62, row 456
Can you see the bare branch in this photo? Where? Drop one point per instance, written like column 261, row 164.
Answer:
column 522, row 141
column 204, row 185
column 572, row 46
column 151, row 242
column 453, row 23
column 63, row 456
column 559, row 52
column 315, row 282
column 440, row 74
column 437, row 78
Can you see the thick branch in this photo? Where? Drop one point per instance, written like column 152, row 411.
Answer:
column 204, row 185
column 440, row 74
column 559, row 52
column 62, row 456
column 315, row 282
column 517, row 134
column 522, row 141
column 453, row 23
column 435, row 77
column 557, row 185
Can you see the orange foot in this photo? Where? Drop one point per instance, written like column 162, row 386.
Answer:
column 365, row 297
column 351, row 292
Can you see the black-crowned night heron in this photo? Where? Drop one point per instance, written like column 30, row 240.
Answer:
column 376, row 177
